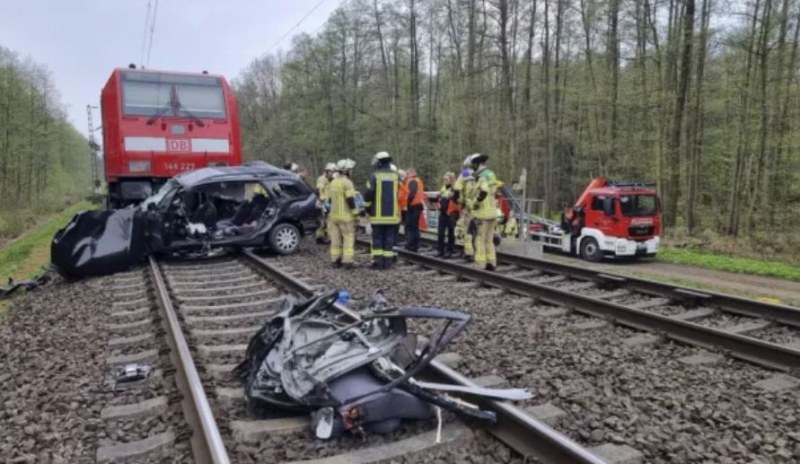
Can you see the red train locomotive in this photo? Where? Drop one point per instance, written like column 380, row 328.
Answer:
column 157, row 124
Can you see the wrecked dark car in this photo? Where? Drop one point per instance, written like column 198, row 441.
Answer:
column 257, row 205
column 354, row 376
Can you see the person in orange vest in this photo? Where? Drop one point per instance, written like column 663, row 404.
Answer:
column 448, row 215
column 415, row 201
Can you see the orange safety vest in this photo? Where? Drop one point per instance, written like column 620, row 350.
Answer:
column 402, row 196
column 419, row 198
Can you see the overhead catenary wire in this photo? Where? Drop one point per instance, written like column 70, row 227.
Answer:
column 293, row 28
column 152, row 32
column 144, row 34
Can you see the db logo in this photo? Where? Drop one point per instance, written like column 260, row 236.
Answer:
column 178, row 145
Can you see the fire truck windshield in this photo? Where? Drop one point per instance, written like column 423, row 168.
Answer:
column 638, row 205
column 168, row 95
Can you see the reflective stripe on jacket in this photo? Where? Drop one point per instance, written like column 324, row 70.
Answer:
column 487, row 182
column 381, row 197
column 339, row 190
column 322, row 187
column 466, row 188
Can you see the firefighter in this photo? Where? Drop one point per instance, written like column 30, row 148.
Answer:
column 463, row 191
column 448, row 215
column 485, row 210
column 323, row 182
column 380, row 199
column 342, row 216
column 415, row 201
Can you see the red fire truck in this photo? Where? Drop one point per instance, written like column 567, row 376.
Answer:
column 157, row 124
column 609, row 219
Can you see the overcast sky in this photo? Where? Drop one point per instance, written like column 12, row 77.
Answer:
column 81, row 41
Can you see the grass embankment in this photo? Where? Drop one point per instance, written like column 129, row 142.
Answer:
column 29, row 255
column 729, row 263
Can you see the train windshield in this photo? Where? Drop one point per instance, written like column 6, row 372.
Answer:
column 170, row 95
column 638, row 205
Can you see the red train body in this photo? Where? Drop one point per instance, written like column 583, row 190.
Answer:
column 157, row 124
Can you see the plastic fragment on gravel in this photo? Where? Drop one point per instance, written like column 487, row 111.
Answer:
column 700, row 359
column 119, row 342
column 130, row 325
column 618, row 454
column 254, row 431
column 695, row 314
column 590, row 325
column 554, row 312
column 451, row 360
column 777, row 383
column 156, row 446
column 150, row 406
column 453, row 434
column 490, row 381
column 641, row 340
column 211, row 350
column 148, row 355
column 748, row 327
column 546, row 413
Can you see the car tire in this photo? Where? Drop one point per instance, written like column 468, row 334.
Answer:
column 590, row 250
column 284, row 238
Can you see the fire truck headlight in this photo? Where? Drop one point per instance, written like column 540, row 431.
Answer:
column 138, row 166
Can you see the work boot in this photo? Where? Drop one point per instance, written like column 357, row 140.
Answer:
column 490, row 267
column 323, row 241
column 338, row 263
column 469, row 258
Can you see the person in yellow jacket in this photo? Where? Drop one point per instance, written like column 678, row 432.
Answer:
column 342, row 217
column 322, row 192
column 485, row 211
column 464, row 191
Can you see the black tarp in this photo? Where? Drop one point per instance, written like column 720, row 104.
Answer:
column 99, row 242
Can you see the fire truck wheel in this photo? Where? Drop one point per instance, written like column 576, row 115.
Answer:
column 590, row 250
column 284, row 238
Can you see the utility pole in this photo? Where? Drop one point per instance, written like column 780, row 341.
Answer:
column 95, row 149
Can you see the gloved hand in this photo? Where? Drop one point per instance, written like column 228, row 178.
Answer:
column 465, row 172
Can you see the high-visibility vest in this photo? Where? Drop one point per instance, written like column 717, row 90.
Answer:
column 402, row 196
column 339, row 190
column 447, row 192
column 487, row 182
column 382, row 203
column 419, row 197
column 322, row 187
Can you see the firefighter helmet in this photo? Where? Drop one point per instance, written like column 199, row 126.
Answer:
column 381, row 156
column 345, row 165
column 330, row 167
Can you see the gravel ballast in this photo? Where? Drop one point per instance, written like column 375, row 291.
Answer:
column 642, row 396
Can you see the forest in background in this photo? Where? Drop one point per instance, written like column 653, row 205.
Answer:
column 698, row 96
column 44, row 161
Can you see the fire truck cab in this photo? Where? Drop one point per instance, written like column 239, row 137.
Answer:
column 608, row 220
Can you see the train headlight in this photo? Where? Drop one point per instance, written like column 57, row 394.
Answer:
column 217, row 164
column 138, row 166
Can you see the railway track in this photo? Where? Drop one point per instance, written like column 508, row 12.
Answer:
column 208, row 311
column 761, row 333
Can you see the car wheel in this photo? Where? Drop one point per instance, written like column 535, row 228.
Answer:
column 284, row 238
column 590, row 250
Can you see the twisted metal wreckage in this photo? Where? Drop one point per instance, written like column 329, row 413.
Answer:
column 355, row 375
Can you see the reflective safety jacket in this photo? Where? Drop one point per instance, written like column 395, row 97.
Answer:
column 416, row 191
column 446, row 204
column 487, row 182
column 380, row 199
column 342, row 194
column 465, row 186
column 402, row 196
column 322, row 187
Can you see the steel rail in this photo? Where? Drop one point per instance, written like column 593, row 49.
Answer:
column 750, row 349
column 783, row 314
column 517, row 429
column 207, row 445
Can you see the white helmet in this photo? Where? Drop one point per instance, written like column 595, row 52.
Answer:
column 475, row 158
column 393, row 167
column 330, row 167
column 401, row 173
column 381, row 156
column 345, row 165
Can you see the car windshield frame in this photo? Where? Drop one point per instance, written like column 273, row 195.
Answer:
column 638, row 209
